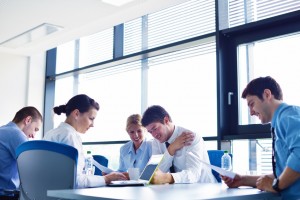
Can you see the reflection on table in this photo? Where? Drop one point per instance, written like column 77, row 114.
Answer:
column 165, row 192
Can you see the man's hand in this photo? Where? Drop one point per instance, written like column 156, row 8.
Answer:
column 161, row 178
column 114, row 176
column 185, row 139
column 233, row 183
column 265, row 183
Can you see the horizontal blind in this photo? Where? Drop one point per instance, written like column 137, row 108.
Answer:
column 242, row 12
column 264, row 156
column 110, row 71
column 202, row 49
column 96, row 48
column 183, row 21
column 133, row 36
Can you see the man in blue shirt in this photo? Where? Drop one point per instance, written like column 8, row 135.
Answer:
column 25, row 124
column 264, row 98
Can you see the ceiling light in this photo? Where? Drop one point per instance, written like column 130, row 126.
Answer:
column 117, row 2
column 31, row 35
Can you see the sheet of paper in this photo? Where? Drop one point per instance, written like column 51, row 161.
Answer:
column 102, row 168
column 220, row 170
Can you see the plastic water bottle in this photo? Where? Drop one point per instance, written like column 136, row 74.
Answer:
column 88, row 168
column 226, row 161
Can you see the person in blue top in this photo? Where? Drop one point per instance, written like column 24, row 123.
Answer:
column 265, row 100
column 24, row 125
column 137, row 152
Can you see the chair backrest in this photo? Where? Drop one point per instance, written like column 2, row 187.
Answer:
column 101, row 160
column 45, row 165
column 215, row 159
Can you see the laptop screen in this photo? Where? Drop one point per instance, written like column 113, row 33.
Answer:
column 148, row 172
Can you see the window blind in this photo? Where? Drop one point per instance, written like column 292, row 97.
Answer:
column 96, row 48
column 242, row 12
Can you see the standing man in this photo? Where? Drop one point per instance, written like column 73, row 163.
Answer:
column 264, row 98
column 182, row 157
column 25, row 124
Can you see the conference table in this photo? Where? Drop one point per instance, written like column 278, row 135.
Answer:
column 165, row 192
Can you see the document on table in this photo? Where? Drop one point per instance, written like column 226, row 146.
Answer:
column 220, row 170
column 102, row 168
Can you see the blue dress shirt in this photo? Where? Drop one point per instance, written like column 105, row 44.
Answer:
column 286, row 121
column 131, row 159
column 11, row 136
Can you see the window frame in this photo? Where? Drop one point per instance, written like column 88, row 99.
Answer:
column 229, row 40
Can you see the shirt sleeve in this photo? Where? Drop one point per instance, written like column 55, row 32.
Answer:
column 84, row 181
column 292, row 138
column 166, row 162
column 194, row 170
column 121, row 162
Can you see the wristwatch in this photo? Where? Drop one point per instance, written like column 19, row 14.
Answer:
column 275, row 185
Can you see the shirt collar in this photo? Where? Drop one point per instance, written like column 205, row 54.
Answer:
column 276, row 113
column 174, row 135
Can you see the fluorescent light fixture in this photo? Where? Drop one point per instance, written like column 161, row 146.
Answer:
column 31, row 35
column 117, row 2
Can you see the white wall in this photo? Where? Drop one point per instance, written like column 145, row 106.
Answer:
column 22, row 81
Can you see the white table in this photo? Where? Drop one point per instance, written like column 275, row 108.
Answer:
column 165, row 192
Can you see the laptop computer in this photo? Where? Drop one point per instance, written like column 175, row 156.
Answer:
column 146, row 175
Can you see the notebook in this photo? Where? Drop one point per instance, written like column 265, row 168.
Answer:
column 146, row 175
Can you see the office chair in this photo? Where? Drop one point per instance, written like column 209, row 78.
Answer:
column 215, row 159
column 101, row 160
column 45, row 165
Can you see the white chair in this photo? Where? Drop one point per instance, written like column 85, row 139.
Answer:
column 45, row 165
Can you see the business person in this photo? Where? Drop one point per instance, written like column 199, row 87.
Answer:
column 26, row 122
column 81, row 111
column 265, row 100
column 137, row 152
column 184, row 153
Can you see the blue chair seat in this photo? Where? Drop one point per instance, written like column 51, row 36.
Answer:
column 101, row 160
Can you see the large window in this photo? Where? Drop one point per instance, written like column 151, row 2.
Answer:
column 180, row 59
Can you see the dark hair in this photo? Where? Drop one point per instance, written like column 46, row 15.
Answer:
column 27, row 111
column 155, row 113
column 81, row 102
column 257, row 86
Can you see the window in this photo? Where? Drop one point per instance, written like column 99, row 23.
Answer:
column 276, row 57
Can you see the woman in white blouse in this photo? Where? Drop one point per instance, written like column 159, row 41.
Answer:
column 81, row 110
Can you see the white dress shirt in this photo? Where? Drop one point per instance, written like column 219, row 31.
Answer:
column 186, row 160
column 66, row 134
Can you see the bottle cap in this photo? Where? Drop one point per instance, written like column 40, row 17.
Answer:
column 88, row 152
column 225, row 151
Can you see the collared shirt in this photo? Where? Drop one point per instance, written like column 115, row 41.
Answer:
column 286, row 121
column 66, row 134
column 186, row 160
column 131, row 159
column 11, row 136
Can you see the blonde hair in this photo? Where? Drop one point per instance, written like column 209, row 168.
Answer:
column 135, row 119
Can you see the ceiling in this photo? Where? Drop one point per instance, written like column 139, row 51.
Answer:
column 77, row 17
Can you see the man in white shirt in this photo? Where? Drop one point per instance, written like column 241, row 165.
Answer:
column 184, row 153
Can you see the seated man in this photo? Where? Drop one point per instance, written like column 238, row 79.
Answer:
column 184, row 153
column 265, row 100
column 25, row 124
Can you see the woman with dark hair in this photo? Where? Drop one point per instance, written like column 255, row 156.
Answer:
column 81, row 111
